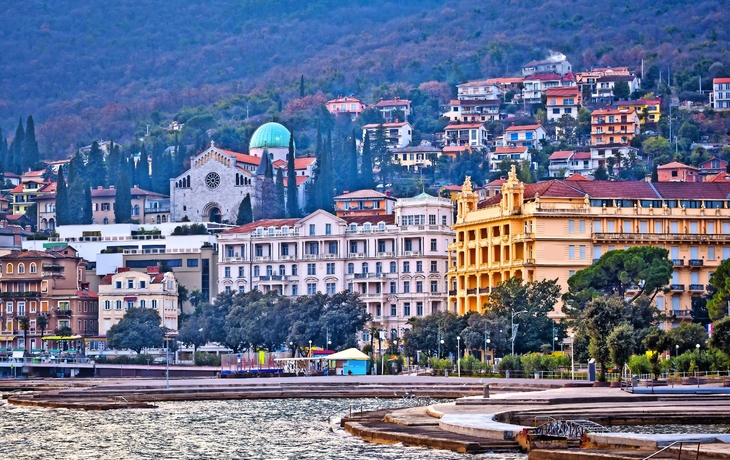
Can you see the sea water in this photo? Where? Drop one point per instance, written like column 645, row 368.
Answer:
column 240, row 429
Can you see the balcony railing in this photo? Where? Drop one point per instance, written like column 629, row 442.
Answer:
column 14, row 295
column 261, row 259
column 369, row 275
column 411, row 253
column 471, row 291
column 356, row 255
column 63, row 313
column 696, row 262
column 273, row 278
column 484, row 290
column 697, row 287
column 452, row 291
column 158, row 209
column 678, row 262
column 638, row 237
column 386, row 254
column 230, row 260
column 682, row 313
column 677, row 287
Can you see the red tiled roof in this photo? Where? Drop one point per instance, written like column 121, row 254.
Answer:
column 570, row 91
column 392, row 102
column 386, row 125
column 694, row 190
column 582, row 156
column 17, row 189
column 387, row 218
column 456, row 148
column 675, row 165
column 719, row 177
column 496, row 182
column 561, row 155
column 30, row 254
column 106, row 280
column 493, row 81
column 300, row 180
column 87, row 294
column 612, row 112
column 499, row 150
column 344, row 99
column 524, row 127
column 248, row 159
column 721, row 80
column 360, row 194
column 452, row 188
column 577, row 177
column 262, row 223
column 638, row 102
column 464, row 126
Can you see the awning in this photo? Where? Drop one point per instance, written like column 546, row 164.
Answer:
column 7, row 337
column 351, row 354
column 65, row 337
column 128, row 299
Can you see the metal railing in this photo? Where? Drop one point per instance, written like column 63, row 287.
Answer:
column 679, row 454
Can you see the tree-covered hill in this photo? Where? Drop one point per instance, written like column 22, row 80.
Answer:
column 97, row 69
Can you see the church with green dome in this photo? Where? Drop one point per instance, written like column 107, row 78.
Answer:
column 271, row 136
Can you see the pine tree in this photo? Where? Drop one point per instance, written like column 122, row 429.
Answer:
column 75, row 195
column 245, row 213
column 30, row 157
column 280, row 195
column 178, row 163
column 601, row 173
column 88, row 211
column 61, row 199
column 326, row 184
column 114, row 164
column 123, row 200
column 366, row 168
column 16, row 149
column 380, row 152
column 3, row 153
column 95, row 168
column 292, row 197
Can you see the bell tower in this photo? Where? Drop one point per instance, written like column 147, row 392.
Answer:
column 513, row 192
column 466, row 201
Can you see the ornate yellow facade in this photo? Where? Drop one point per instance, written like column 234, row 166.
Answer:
column 552, row 229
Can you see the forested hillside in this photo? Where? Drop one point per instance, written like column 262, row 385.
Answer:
column 89, row 70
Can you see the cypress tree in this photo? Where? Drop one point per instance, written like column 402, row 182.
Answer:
column 113, row 164
column 245, row 212
column 88, row 211
column 366, row 168
column 292, row 197
column 61, row 199
column 352, row 179
column 95, row 169
column 30, row 157
column 142, row 171
column 327, row 178
column 123, row 200
column 280, row 195
column 3, row 154
column 266, row 190
column 16, row 149
column 301, row 86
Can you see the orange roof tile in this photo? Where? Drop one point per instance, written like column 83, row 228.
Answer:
column 262, row 223
column 524, row 127
column 359, row 194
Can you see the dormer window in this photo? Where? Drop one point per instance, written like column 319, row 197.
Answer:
column 272, row 230
column 381, row 225
column 353, row 227
column 285, row 230
column 366, row 227
column 259, row 230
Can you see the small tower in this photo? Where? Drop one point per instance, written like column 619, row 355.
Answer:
column 513, row 192
column 466, row 200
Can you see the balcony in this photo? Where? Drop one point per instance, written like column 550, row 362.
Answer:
column 310, row 256
column 356, row 255
column 697, row 287
column 484, row 290
column 678, row 262
column 677, row 287
column 63, row 313
column 329, row 255
column 472, row 291
column 385, row 254
column 232, row 260
column 369, row 275
column 696, row 262
column 452, row 292
column 262, row 259
column 682, row 313
column 273, row 278
column 411, row 253
column 157, row 209
column 15, row 295
column 529, row 262
column 287, row 257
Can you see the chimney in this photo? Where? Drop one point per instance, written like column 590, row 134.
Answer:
column 153, row 270
column 99, row 187
column 111, row 187
column 27, row 228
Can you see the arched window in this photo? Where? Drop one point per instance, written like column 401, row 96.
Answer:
column 106, row 221
column 135, row 210
column 392, row 267
column 9, row 268
column 33, row 267
column 364, row 267
column 256, row 270
column 379, row 267
column 381, row 225
column 164, row 219
column 269, row 270
column 159, row 219
column 21, row 268
column 350, row 268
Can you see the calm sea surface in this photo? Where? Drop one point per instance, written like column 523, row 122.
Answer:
column 258, row 429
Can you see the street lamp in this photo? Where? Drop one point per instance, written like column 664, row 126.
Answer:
column 167, row 363
column 440, row 344
column 458, row 354
column 310, row 348
column 514, row 332
column 676, row 351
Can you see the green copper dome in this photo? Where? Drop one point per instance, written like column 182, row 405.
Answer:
column 270, row 135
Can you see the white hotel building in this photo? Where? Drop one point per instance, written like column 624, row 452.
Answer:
column 396, row 262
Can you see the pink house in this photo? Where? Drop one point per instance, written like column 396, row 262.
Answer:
column 346, row 105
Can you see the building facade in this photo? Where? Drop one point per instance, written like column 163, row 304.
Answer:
column 552, row 229
column 500, row 154
column 395, row 262
column 397, row 134
column 364, row 203
column 346, row 106
column 127, row 289
column 649, row 110
column 417, row 157
column 614, row 126
column 563, row 101
column 524, row 136
column 49, row 283
column 556, row 63
column 391, row 107
column 473, row 135
column 720, row 95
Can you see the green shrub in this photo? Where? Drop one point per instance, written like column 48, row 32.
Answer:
column 128, row 359
column 510, row 363
column 203, row 358
column 639, row 364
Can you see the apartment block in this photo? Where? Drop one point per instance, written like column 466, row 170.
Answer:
column 396, row 262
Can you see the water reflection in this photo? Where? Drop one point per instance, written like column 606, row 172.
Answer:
column 252, row 429
column 671, row 429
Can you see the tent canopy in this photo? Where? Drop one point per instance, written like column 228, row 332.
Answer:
column 351, row 354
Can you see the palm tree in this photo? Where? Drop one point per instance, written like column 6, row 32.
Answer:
column 41, row 322
column 24, row 324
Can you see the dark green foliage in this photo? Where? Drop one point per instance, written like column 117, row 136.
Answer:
column 191, row 334
column 142, row 171
column 601, row 173
column 30, row 157
column 280, row 195
column 95, row 166
column 123, row 200
column 686, row 336
column 601, row 316
column 717, row 306
column 245, row 212
column 61, row 199
column 621, row 90
column 292, row 195
column 266, row 191
column 647, row 267
column 656, row 341
column 366, row 168
column 88, row 209
column 15, row 153
column 139, row 328
column 721, row 335
column 424, row 335
column 351, row 177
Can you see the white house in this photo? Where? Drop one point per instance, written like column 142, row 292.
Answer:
column 397, row 135
column 517, row 154
column 524, row 136
column 471, row 134
column 720, row 95
column 480, row 89
column 536, row 85
column 390, row 106
column 556, row 63
column 565, row 163
column 473, row 110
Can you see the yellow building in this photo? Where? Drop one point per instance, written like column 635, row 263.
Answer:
column 551, row 229
column 648, row 109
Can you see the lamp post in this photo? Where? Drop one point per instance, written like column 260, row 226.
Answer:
column 572, row 362
column 514, row 332
column 458, row 355
column 310, row 348
column 291, row 347
column 486, row 341
column 676, row 351
column 167, row 363
column 698, row 360
column 554, row 338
